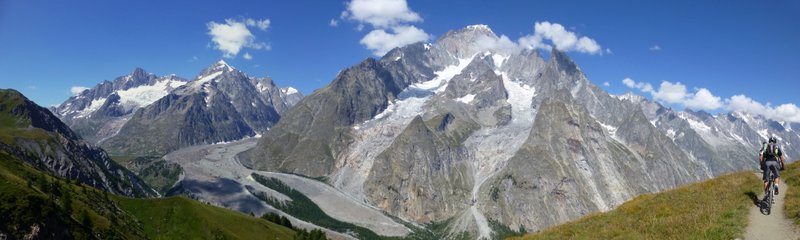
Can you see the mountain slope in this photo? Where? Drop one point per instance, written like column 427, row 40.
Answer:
column 317, row 128
column 221, row 104
column 504, row 125
column 40, row 206
column 713, row 209
column 33, row 134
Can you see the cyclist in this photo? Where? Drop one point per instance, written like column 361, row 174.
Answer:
column 770, row 156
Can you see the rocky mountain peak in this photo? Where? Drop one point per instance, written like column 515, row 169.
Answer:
column 467, row 41
column 562, row 62
column 219, row 66
column 139, row 73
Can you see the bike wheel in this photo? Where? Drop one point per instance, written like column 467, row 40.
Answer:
column 771, row 195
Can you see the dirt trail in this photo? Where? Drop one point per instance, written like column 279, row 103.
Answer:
column 773, row 226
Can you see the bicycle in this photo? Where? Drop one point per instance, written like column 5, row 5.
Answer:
column 769, row 197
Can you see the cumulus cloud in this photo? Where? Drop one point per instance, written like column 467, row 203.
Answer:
column 262, row 24
column 391, row 22
column 333, row 23
column 380, row 14
column 784, row 112
column 231, row 36
column 247, row 56
column 677, row 93
column 671, row 92
column 607, row 84
column 703, row 99
column 655, row 48
column 546, row 33
column 77, row 89
column 380, row 41
column 644, row 87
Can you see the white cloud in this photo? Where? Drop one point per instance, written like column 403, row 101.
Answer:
column 607, row 84
column 502, row 44
column 644, row 87
column 670, row 92
column 333, row 23
column 77, row 89
column 655, row 48
column 262, row 24
column 247, row 56
column 231, row 36
column 703, row 99
column 784, row 112
column 677, row 93
column 381, row 13
column 380, row 42
column 391, row 22
column 559, row 36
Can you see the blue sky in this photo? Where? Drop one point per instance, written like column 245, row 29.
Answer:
column 729, row 48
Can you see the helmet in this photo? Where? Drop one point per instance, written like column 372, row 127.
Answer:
column 773, row 140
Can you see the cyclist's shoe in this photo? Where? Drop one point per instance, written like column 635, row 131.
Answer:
column 776, row 190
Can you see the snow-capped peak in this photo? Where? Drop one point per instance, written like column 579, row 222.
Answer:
column 483, row 27
column 218, row 66
column 632, row 97
column 289, row 90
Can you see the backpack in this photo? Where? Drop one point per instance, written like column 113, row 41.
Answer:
column 771, row 151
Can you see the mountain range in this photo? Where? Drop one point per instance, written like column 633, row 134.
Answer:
column 461, row 134
column 142, row 114
column 474, row 134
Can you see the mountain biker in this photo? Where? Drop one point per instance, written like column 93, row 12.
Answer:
column 769, row 156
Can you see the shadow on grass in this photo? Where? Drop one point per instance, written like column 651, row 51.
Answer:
column 754, row 198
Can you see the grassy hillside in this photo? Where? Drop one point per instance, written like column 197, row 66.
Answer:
column 182, row 218
column 55, row 208
column 791, row 175
column 714, row 209
column 155, row 171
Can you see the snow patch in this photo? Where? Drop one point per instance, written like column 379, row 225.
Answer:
column 763, row 133
column 94, row 106
column 147, row 94
column 205, row 79
column 612, row 131
column 698, row 125
column 466, row 99
column 499, row 60
column 290, row 91
column 740, row 139
column 671, row 134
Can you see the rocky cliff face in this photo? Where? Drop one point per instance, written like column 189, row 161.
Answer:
column 222, row 104
column 462, row 130
column 35, row 135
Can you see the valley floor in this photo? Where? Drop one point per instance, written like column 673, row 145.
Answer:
column 209, row 169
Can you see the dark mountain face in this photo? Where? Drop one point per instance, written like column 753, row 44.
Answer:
column 32, row 133
column 222, row 104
